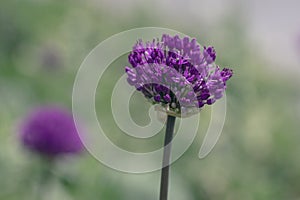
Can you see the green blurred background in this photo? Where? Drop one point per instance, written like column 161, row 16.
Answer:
column 43, row 42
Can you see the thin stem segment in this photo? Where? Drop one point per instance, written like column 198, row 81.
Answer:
column 164, row 183
column 45, row 175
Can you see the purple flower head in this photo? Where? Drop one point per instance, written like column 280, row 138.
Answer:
column 209, row 54
column 51, row 58
column 176, row 73
column 50, row 131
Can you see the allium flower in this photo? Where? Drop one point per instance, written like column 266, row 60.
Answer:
column 176, row 73
column 180, row 76
column 50, row 131
column 51, row 58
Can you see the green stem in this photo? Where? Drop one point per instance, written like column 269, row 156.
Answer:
column 44, row 178
column 164, row 183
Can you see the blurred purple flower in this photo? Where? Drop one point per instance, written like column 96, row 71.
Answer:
column 298, row 42
column 161, row 70
column 50, row 131
column 51, row 58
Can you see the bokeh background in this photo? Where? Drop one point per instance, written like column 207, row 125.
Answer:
column 43, row 42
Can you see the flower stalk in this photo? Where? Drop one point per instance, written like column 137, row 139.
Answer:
column 164, row 186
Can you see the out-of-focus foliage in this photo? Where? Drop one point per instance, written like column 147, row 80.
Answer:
column 42, row 44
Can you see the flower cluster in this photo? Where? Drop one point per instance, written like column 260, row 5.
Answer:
column 176, row 73
column 50, row 131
